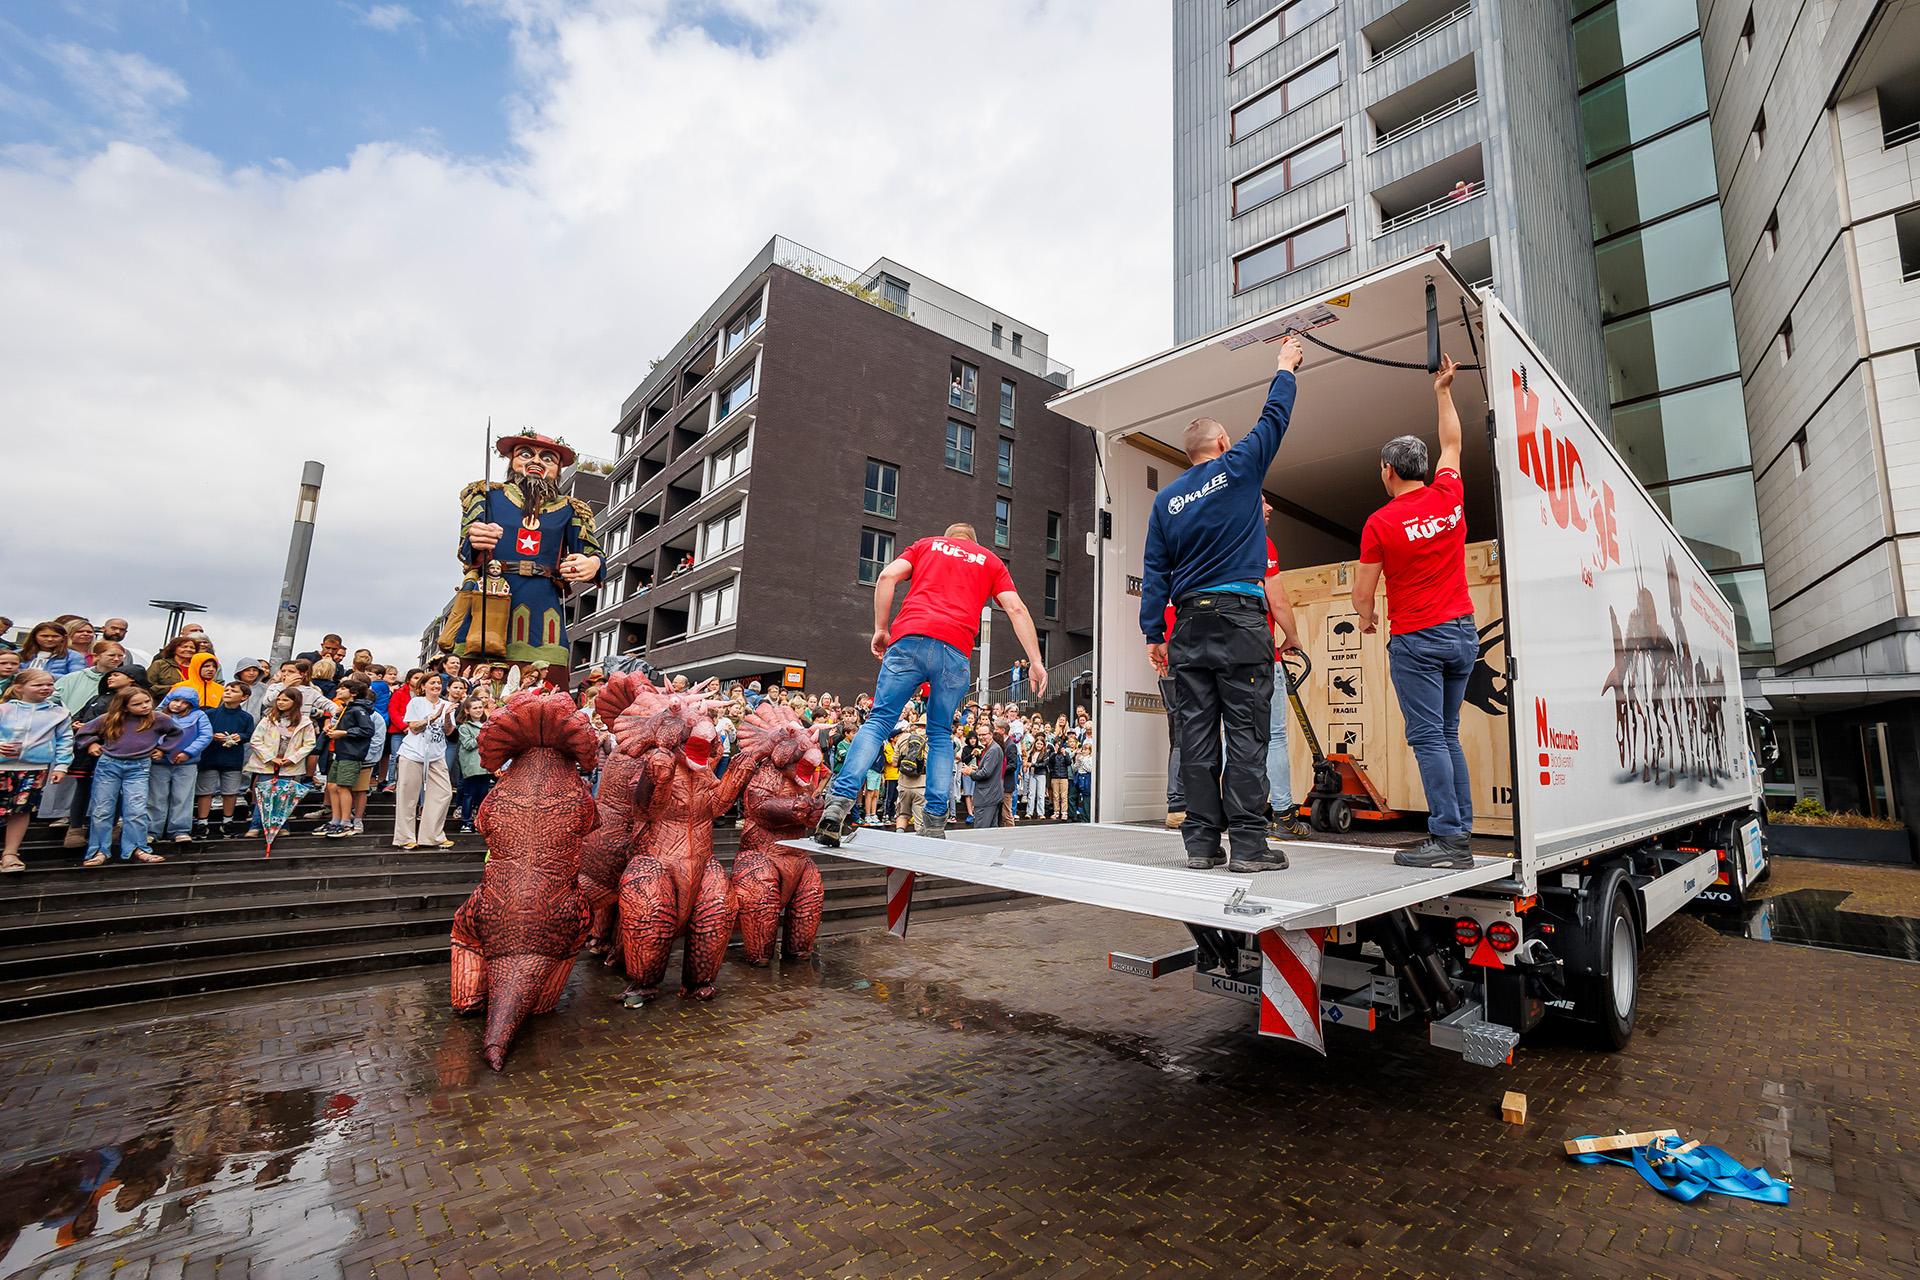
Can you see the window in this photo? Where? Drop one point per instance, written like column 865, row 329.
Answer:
column 729, row 462
column 736, row 395
column 1309, row 82
column 1798, row 445
column 1289, row 171
column 1760, row 132
column 1006, row 402
column 1003, row 468
column 1746, row 591
column 963, row 394
column 1290, row 252
column 996, row 335
column 883, row 489
column 1653, row 97
column 1621, row 34
column 1675, row 346
column 1682, row 255
column 723, row 533
column 745, row 325
column 1270, row 31
column 1687, row 433
column 1051, row 601
column 1055, row 527
column 1652, row 179
column 1906, row 233
column 1746, row 36
column 1770, row 234
column 876, row 550
column 715, row 606
column 1002, row 521
column 1716, row 518
column 1019, row 341
column 615, row 539
column 1786, row 340
column 623, row 486
column 959, row 446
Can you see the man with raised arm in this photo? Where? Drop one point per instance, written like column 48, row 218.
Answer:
column 1206, row 555
column 1419, row 540
column 952, row 578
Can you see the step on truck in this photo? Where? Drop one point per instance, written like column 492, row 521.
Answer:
column 1632, row 784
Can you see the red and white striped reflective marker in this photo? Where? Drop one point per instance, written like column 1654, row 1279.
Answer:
column 899, row 901
column 1290, row 986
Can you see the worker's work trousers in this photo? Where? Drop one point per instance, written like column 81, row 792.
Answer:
column 1221, row 657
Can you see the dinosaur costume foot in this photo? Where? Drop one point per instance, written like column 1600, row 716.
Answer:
column 697, row 993
column 637, row 997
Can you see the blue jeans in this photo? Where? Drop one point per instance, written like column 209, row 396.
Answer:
column 910, row 661
column 170, row 789
column 1430, row 669
column 121, row 784
column 1279, row 767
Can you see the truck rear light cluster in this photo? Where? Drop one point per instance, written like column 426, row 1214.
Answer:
column 1502, row 936
column 1466, row 931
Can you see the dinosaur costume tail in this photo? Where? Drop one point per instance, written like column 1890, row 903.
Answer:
column 517, row 986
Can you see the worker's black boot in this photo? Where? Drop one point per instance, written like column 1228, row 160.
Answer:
column 1263, row 858
column 1437, row 854
column 833, row 826
column 932, row 825
column 1205, row 861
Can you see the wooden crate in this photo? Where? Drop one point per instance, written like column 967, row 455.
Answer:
column 1350, row 700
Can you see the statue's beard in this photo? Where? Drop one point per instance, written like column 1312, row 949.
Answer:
column 539, row 491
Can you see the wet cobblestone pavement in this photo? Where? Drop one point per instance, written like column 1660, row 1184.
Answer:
column 984, row 1099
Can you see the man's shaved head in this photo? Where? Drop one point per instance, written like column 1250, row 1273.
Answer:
column 1205, row 439
column 961, row 530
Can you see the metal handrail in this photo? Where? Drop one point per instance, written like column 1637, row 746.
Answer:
column 1473, row 192
column 1419, row 35
column 1902, row 135
column 1418, row 123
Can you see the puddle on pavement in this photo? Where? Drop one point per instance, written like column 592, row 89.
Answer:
column 1815, row 918
column 251, row 1165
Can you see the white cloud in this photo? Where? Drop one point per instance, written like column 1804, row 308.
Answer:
column 183, row 335
column 133, row 93
column 387, row 17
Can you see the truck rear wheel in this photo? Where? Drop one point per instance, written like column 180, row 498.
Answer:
column 1608, row 998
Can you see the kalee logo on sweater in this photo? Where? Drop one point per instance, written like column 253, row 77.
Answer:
column 1180, row 501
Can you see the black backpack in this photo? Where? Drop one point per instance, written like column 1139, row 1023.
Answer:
column 912, row 757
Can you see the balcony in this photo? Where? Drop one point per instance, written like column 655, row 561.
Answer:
column 1458, row 180
column 1408, row 24
column 1446, row 92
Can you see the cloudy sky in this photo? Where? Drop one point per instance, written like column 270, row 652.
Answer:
column 237, row 235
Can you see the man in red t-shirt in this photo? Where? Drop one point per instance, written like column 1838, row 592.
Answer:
column 1418, row 540
column 950, row 579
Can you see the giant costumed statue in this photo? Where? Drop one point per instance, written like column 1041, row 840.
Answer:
column 609, row 845
column 778, row 889
column 515, row 938
column 672, row 887
column 524, row 545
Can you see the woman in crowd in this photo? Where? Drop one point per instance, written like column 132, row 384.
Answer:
column 128, row 735
column 36, row 746
column 277, row 759
column 47, row 650
column 81, row 637
column 424, row 778
column 169, row 666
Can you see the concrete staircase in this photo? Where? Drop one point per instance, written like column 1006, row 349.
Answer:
column 218, row 916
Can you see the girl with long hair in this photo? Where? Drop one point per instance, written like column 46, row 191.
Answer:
column 47, row 649
column 277, row 758
column 129, row 734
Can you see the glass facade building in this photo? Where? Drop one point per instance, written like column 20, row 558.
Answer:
column 1666, row 304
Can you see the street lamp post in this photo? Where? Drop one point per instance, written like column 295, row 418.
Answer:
column 293, row 584
column 177, row 611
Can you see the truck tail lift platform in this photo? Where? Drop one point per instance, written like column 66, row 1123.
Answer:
column 1633, row 786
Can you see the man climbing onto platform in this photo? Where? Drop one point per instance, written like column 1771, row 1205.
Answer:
column 951, row 579
column 1419, row 541
column 1206, row 555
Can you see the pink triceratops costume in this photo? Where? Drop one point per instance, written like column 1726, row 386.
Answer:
column 775, row 885
column 673, row 888
column 515, row 938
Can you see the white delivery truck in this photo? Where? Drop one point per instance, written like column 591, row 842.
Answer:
column 1632, row 784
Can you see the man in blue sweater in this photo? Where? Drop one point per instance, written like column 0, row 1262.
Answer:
column 1207, row 556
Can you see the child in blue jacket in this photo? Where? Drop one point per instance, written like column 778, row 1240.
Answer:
column 36, row 746
column 176, row 775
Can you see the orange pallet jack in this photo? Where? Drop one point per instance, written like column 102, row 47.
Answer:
column 1341, row 789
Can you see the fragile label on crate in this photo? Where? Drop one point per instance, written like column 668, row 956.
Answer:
column 1343, row 633
column 1347, row 739
column 1344, row 690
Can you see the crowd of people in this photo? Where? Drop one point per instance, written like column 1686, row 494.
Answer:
column 134, row 753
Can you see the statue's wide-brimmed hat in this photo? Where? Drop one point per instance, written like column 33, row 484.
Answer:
column 507, row 444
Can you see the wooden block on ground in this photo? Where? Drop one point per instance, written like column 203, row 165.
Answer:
column 1514, row 1107
column 1616, row 1142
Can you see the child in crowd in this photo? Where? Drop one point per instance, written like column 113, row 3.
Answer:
column 376, row 755
column 36, row 746
column 351, row 734
column 9, row 668
column 277, row 757
column 128, row 735
column 203, row 677
column 475, row 781
column 175, row 776
column 221, row 772
column 47, row 649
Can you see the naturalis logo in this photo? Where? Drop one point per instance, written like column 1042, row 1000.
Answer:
column 1552, row 739
column 1181, row 501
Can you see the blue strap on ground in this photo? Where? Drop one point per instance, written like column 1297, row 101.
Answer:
column 1687, row 1175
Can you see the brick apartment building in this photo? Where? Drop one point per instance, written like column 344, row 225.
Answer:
column 811, row 424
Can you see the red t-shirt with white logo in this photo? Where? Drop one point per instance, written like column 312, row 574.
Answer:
column 1420, row 539
column 1273, row 569
column 952, row 581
